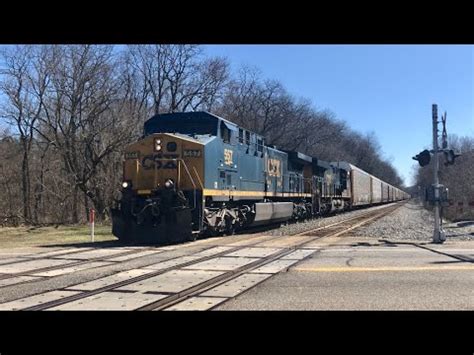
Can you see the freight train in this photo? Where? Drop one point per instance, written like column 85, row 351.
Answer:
column 195, row 173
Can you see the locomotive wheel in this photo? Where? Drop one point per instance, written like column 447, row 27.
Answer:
column 229, row 227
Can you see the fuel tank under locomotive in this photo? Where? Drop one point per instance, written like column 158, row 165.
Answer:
column 227, row 218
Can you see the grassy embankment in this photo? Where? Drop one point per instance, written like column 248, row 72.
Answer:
column 27, row 236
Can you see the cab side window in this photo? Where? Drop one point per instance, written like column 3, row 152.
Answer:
column 225, row 133
column 241, row 135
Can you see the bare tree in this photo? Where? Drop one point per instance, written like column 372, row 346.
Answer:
column 149, row 69
column 24, row 84
column 83, row 116
column 73, row 109
column 175, row 78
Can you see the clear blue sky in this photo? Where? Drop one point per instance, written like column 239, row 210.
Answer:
column 382, row 88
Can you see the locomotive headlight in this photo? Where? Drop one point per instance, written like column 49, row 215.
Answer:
column 169, row 184
column 157, row 145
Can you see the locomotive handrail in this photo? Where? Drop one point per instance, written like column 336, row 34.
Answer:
column 190, row 177
column 198, row 178
column 187, row 171
column 137, row 175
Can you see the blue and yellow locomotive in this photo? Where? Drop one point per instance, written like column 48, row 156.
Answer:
column 196, row 173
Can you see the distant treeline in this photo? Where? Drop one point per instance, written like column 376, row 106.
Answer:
column 68, row 111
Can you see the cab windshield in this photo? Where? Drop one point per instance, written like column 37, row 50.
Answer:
column 182, row 123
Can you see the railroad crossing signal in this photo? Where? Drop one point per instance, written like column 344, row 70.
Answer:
column 450, row 156
column 423, row 158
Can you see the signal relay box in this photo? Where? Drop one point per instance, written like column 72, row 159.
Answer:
column 430, row 194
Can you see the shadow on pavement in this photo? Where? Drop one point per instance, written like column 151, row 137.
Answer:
column 450, row 262
column 102, row 244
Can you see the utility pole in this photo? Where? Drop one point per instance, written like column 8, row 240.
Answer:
column 439, row 235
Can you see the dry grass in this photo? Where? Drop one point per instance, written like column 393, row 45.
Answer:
column 20, row 237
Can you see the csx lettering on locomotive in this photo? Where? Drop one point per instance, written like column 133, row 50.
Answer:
column 159, row 161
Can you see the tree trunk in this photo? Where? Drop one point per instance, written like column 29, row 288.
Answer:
column 75, row 213
column 86, row 206
column 25, row 179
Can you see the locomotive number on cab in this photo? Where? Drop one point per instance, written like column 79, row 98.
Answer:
column 228, row 156
column 274, row 167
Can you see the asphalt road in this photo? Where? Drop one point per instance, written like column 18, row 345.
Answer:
column 354, row 273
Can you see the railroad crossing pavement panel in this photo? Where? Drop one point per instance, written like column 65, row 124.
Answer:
column 253, row 252
column 137, row 247
column 135, row 255
column 236, row 286
column 196, row 304
column 13, row 253
column 32, row 265
column 18, row 279
column 212, row 251
column 70, row 269
column 110, row 301
column 171, row 281
column 11, row 260
column 110, row 280
column 171, row 263
column 250, row 241
column 285, row 242
column 93, row 254
column 35, row 300
column 223, row 263
column 53, row 253
column 274, row 266
column 299, row 254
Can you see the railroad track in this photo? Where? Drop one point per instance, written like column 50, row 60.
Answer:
column 68, row 252
column 331, row 230
column 67, row 265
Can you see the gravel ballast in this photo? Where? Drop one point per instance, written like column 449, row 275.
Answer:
column 294, row 228
column 413, row 222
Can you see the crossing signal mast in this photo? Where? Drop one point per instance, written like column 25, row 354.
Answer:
column 437, row 193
